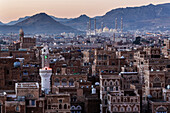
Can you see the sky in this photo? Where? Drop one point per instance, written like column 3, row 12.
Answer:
column 14, row 9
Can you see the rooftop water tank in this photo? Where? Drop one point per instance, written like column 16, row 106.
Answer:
column 17, row 64
column 93, row 90
column 97, row 83
column 168, row 87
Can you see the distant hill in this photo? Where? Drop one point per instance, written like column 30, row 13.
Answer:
column 19, row 20
column 1, row 23
column 61, row 19
column 39, row 23
column 144, row 17
column 79, row 23
column 24, row 18
column 150, row 17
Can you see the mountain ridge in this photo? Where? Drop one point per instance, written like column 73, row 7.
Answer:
column 147, row 17
column 38, row 23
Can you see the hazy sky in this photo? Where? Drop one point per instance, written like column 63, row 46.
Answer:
column 14, row 9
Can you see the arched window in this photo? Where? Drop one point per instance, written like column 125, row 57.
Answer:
column 115, row 109
column 161, row 109
column 65, row 106
column 60, row 106
column 122, row 109
column 160, row 94
column 71, row 82
column 99, row 57
column 79, row 107
column 40, row 104
column 105, row 57
column 72, row 108
column 0, row 108
column 111, row 88
column 117, row 83
column 114, row 99
column 156, row 80
column 58, row 70
column 153, row 52
column 154, row 94
column 17, row 109
column 128, row 109
column 73, row 99
column 135, row 108
column 105, row 83
column 64, row 82
column 111, row 83
column 56, row 82
column 168, row 81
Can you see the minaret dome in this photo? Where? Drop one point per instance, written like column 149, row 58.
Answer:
column 21, row 33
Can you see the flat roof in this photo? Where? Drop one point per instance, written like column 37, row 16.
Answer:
column 110, row 76
column 7, row 57
column 129, row 72
column 27, row 85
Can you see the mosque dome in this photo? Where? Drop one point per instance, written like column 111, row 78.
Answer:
column 105, row 29
column 111, row 30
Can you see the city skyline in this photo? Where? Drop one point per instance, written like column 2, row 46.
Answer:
column 64, row 8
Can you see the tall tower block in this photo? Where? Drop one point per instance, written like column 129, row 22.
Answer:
column 45, row 72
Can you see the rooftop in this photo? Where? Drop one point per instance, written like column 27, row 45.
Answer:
column 129, row 73
column 27, row 85
column 111, row 76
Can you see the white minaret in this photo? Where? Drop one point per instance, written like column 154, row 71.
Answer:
column 45, row 72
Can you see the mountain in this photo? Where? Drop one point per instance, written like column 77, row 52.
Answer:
column 19, row 20
column 150, row 17
column 61, row 19
column 79, row 23
column 144, row 17
column 24, row 18
column 1, row 23
column 39, row 23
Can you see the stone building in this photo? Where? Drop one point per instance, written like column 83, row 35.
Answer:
column 59, row 103
column 115, row 98
column 9, row 73
column 154, row 67
column 106, row 60
column 26, row 42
